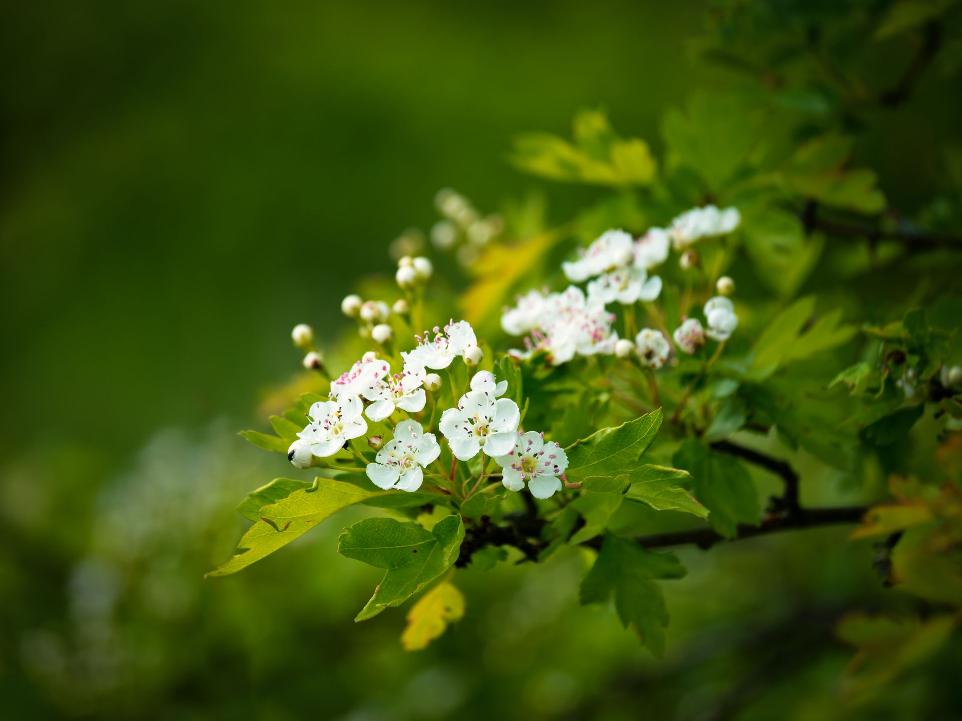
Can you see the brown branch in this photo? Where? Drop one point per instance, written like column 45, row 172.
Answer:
column 788, row 502
column 929, row 48
column 811, row 221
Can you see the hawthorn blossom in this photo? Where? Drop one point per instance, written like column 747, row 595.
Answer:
column 333, row 423
column 625, row 285
column 534, row 462
column 481, row 421
column 653, row 347
column 690, row 336
column 401, row 390
column 485, row 381
column 705, row 222
column 398, row 464
column 722, row 321
column 362, row 376
column 299, row 454
column 614, row 249
column 527, row 315
column 651, row 249
column 455, row 339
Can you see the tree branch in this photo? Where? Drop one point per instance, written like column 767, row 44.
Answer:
column 788, row 502
column 811, row 222
column 931, row 44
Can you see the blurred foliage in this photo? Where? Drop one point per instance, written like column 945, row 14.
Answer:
column 169, row 175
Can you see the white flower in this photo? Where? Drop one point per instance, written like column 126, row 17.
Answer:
column 689, row 336
column 364, row 374
column 486, row 382
column 481, row 421
column 614, row 249
column 576, row 326
column 473, row 356
column 299, row 454
column 333, row 423
column 398, row 464
column 722, row 321
column 527, row 315
column 534, row 462
column 423, row 267
column 406, row 276
column 625, row 285
column 704, row 222
column 651, row 249
column 455, row 340
column 653, row 347
column 401, row 390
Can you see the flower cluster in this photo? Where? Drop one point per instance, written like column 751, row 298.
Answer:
column 697, row 223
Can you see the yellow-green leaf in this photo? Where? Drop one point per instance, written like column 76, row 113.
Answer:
column 428, row 619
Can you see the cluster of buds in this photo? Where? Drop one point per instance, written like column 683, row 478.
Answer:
column 372, row 317
column 303, row 336
column 413, row 272
column 462, row 228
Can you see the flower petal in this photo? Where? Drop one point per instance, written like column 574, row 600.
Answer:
column 464, row 447
column 379, row 410
column 324, row 447
column 506, row 415
column 512, row 479
column 411, row 480
column 413, row 402
column 499, row 444
column 544, row 486
column 428, row 449
column 382, row 476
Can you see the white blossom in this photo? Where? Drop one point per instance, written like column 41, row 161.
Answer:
column 401, row 390
column 333, row 423
column 456, row 339
column 575, row 325
column 614, row 249
column 534, row 462
column 689, row 336
column 721, row 318
column 302, row 335
column 527, row 315
column 363, row 375
column 653, row 347
column 651, row 249
column 705, row 222
column 624, row 285
column 406, row 277
column 423, row 267
column 485, row 381
column 398, row 464
column 374, row 311
column 481, row 421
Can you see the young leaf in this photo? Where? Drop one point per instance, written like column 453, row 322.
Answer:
column 266, row 441
column 279, row 488
column 661, row 488
column 627, row 571
column 785, row 340
column 412, row 556
column 430, row 616
column 722, row 483
column 289, row 518
column 612, row 451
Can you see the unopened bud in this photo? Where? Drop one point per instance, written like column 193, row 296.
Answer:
column 375, row 442
column 432, row 381
column 299, row 454
column 406, row 262
column 302, row 335
column 423, row 267
column 406, row 276
column 369, row 356
column 312, row 361
column 351, row 305
column 689, row 259
column 373, row 311
column 624, row 348
column 473, row 356
column 381, row 333
column 725, row 286
column 400, row 307
column 951, row 376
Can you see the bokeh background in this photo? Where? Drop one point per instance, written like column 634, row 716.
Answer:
column 182, row 182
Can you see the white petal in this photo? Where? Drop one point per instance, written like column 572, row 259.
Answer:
column 327, row 446
column 651, row 289
column 428, row 449
column 355, row 428
column 544, row 486
column 379, row 410
column 464, row 447
column 506, row 415
column 451, row 421
column 499, row 444
column 411, row 480
column 483, row 381
column 500, row 388
column 407, row 430
column 351, row 407
column 321, row 410
column 530, row 442
column 512, row 479
column 382, row 476
column 414, row 402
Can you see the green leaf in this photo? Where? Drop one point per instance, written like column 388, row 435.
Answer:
column 662, row 488
column 266, row 441
column 289, row 518
column 613, row 451
column 886, row 431
column 598, row 502
column 412, row 556
column 857, row 378
column 627, row 571
column 279, row 488
column 508, row 370
column 818, row 170
column 722, row 484
column 430, row 616
column 909, row 14
column 780, row 251
column 285, row 428
column 786, row 338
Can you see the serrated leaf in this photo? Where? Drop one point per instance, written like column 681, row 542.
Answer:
column 613, row 451
column 661, row 487
column 294, row 515
column 627, row 571
column 722, row 484
column 429, row 618
column 412, row 556
column 787, row 339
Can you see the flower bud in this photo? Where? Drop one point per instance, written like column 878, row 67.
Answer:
column 689, row 259
column 951, row 376
column 432, row 381
column 406, row 262
column 369, row 356
column 373, row 312
column 351, row 305
column 312, row 361
column 423, row 267
column 473, row 356
column 406, row 276
column 725, row 286
column 302, row 335
column 400, row 307
column 381, row 333
column 444, row 234
column 375, row 442
column 623, row 348
column 299, row 454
